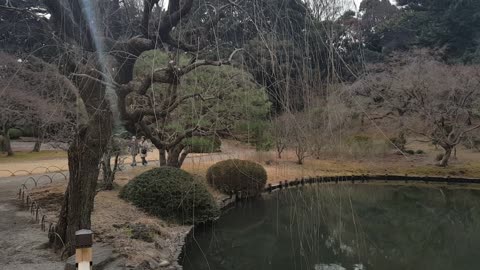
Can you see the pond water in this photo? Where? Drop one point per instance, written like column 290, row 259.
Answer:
column 344, row 227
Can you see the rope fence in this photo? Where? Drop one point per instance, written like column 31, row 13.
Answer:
column 39, row 215
column 35, row 170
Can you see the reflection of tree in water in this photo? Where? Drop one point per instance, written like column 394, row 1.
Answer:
column 392, row 227
column 374, row 227
column 242, row 233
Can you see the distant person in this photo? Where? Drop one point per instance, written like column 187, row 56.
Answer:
column 143, row 150
column 133, row 148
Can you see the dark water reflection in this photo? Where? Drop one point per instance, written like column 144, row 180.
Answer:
column 345, row 227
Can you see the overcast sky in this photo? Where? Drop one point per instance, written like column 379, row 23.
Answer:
column 357, row 2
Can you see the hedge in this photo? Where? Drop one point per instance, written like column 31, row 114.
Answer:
column 236, row 175
column 173, row 195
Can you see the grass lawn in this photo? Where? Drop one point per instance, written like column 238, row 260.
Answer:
column 33, row 156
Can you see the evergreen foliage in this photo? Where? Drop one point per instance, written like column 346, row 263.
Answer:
column 236, row 175
column 171, row 194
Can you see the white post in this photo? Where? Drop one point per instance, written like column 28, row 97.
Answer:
column 83, row 251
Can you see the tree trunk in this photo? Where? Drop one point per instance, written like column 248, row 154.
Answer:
column 38, row 142
column 446, row 156
column 37, row 146
column 299, row 160
column 2, row 143
column 301, row 154
column 183, row 156
column 280, row 149
column 108, row 172
column 163, row 158
column 8, row 145
column 84, row 156
column 175, row 157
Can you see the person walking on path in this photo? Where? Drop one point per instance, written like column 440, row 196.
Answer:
column 133, row 149
column 143, row 150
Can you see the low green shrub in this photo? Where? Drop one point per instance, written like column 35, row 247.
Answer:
column 472, row 142
column 264, row 144
column 14, row 133
column 255, row 132
column 2, row 143
column 237, row 175
column 419, row 152
column 29, row 131
column 410, row 152
column 171, row 194
column 204, row 144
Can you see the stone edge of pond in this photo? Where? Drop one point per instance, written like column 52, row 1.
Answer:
column 406, row 179
column 228, row 200
column 224, row 202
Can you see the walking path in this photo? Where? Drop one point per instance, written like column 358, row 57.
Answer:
column 23, row 244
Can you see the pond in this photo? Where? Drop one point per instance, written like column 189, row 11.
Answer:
column 344, row 227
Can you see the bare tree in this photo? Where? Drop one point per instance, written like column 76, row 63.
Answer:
column 13, row 108
column 99, row 62
column 281, row 134
column 436, row 101
column 33, row 96
column 298, row 135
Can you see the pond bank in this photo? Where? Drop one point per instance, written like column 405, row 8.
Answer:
column 365, row 178
column 345, row 226
column 400, row 180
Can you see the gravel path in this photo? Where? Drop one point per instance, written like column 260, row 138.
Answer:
column 23, row 244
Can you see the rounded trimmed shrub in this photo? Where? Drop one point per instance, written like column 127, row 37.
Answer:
column 234, row 175
column 171, row 194
column 14, row 133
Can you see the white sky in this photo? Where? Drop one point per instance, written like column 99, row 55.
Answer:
column 357, row 2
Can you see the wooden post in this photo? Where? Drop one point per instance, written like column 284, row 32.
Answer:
column 83, row 252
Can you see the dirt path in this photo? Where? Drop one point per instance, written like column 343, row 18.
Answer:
column 46, row 165
column 21, row 240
